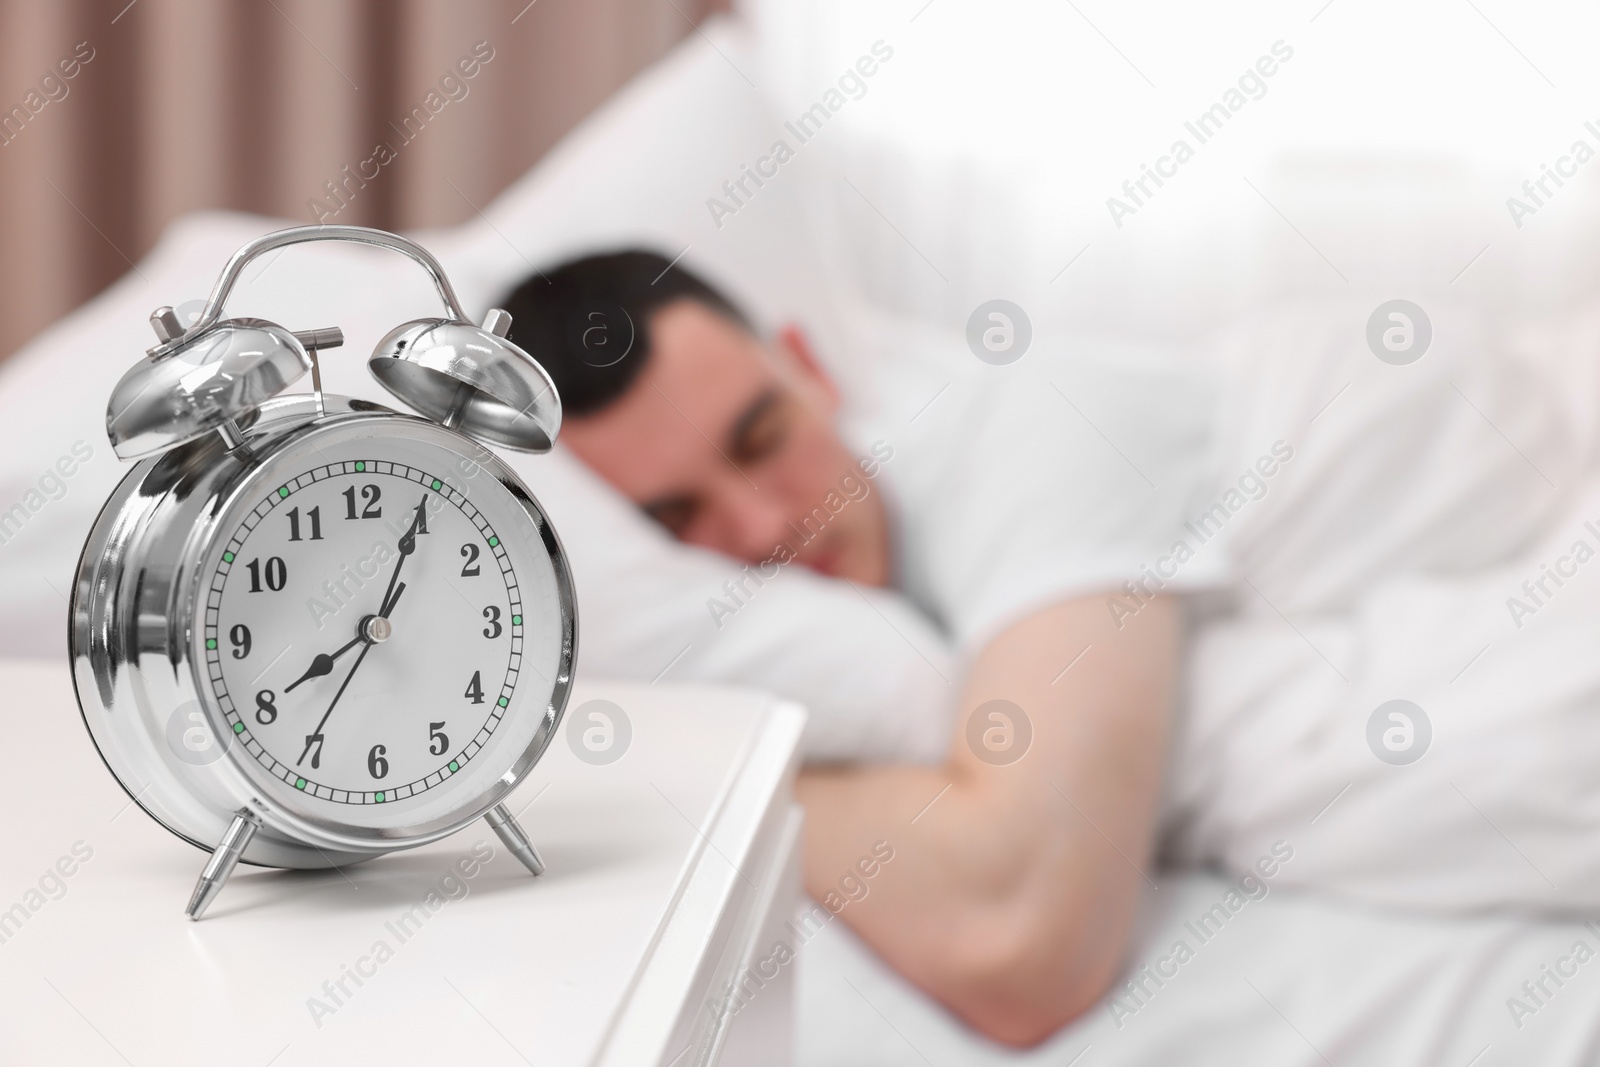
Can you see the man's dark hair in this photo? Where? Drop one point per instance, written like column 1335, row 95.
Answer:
column 587, row 321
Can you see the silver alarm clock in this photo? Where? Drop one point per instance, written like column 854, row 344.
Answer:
column 307, row 630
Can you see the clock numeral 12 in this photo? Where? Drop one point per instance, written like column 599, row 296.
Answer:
column 371, row 494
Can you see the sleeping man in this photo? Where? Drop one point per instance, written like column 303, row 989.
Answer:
column 1027, row 873
column 1043, row 515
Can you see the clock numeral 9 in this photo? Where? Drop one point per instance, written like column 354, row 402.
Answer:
column 492, row 631
column 470, row 568
column 240, row 636
column 439, row 743
column 377, row 766
column 277, row 573
column 371, row 494
column 315, row 514
column 266, row 710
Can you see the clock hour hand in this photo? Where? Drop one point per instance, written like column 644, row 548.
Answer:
column 322, row 663
column 367, row 630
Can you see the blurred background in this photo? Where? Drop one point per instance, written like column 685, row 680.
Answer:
column 1444, row 152
column 182, row 105
column 1382, row 153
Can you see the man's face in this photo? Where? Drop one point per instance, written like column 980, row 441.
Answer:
column 731, row 446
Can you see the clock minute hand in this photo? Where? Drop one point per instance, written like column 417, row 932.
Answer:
column 322, row 662
column 406, row 545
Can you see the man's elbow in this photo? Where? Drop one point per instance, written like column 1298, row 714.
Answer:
column 1022, row 977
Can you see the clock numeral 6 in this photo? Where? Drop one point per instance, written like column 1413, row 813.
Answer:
column 377, row 766
column 240, row 636
column 438, row 741
column 492, row 613
column 266, row 710
column 277, row 573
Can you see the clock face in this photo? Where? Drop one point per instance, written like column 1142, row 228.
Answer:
column 381, row 621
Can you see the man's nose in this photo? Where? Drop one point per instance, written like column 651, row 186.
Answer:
column 758, row 522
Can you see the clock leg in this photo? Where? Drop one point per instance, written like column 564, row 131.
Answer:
column 223, row 860
column 505, row 827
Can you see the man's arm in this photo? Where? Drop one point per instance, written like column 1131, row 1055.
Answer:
column 1010, row 899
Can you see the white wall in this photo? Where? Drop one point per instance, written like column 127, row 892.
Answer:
column 1390, row 142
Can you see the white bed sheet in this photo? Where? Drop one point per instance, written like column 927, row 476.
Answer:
column 1293, row 979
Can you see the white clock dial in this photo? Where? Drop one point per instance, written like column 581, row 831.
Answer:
column 367, row 624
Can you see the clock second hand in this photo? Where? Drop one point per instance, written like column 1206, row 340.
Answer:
column 391, row 596
column 315, row 736
column 317, row 733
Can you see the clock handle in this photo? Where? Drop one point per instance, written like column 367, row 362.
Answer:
column 223, row 860
column 504, row 824
column 301, row 235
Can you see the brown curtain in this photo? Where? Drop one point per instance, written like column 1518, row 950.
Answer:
column 116, row 117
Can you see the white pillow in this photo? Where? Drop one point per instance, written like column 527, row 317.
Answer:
column 638, row 171
column 641, row 171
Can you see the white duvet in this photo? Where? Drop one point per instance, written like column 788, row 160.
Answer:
column 1291, row 980
column 1409, row 551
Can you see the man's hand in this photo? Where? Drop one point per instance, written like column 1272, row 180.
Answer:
column 1011, row 897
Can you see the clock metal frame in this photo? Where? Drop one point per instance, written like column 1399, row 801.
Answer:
column 137, row 612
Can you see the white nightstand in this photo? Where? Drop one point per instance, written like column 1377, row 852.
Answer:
column 671, row 872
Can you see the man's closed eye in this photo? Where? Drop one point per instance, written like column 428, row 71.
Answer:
column 675, row 513
column 762, row 430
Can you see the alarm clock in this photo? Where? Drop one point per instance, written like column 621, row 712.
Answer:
column 307, row 630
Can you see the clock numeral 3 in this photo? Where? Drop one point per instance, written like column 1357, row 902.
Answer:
column 377, row 766
column 266, row 710
column 492, row 631
column 436, row 735
column 277, row 573
column 371, row 494
column 313, row 741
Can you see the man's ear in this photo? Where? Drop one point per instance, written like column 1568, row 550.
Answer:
column 797, row 346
